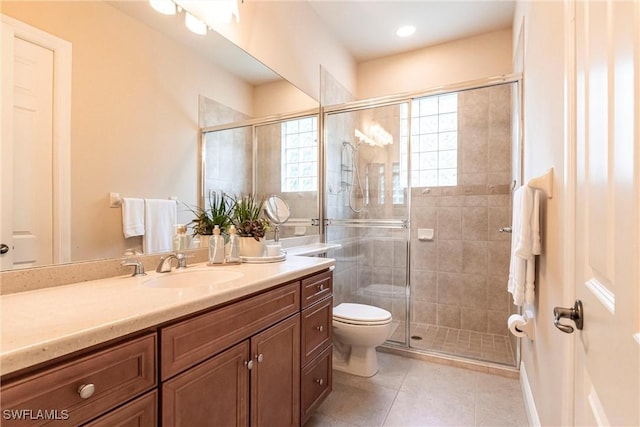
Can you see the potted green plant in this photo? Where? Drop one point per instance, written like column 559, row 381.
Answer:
column 251, row 225
column 218, row 212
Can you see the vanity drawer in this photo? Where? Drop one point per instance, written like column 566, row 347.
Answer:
column 316, row 329
column 316, row 383
column 142, row 412
column 117, row 374
column 194, row 340
column 316, row 287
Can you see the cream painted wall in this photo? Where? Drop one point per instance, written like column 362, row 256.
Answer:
column 288, row 97
column 471, row 58
column 291, row 39
column 134, row 118
column 544, row 148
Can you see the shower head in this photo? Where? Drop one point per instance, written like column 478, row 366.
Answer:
column 353, row 147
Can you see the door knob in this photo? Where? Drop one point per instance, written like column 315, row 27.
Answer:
column 3, row 249
column 574, row 313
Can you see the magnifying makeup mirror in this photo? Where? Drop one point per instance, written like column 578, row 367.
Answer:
column 278, row 212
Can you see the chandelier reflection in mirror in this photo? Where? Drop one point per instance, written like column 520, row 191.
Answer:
column 200, row 15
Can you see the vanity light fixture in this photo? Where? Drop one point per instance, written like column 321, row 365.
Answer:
column 194, row 24
column 405, row 31
column 378, row 136
column 200, row 15
column 165, row 7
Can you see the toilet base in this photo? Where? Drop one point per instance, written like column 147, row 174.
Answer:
column 361, row 361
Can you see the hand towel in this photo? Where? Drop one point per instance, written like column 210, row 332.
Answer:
column 159, row 225
column 132, row 217
column 525, row 244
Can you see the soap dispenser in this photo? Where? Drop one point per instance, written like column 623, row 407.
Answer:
column 233, row 251
column 181, row 240
column 216, row 247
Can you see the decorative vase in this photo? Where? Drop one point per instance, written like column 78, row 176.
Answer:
column 250, row 247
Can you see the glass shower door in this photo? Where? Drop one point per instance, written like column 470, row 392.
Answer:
column 367, row 208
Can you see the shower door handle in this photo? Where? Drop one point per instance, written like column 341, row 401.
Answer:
column 505, row 230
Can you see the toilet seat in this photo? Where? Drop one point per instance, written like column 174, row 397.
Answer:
column 360, row 314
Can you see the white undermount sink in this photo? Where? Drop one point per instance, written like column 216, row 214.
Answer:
column 192, row 278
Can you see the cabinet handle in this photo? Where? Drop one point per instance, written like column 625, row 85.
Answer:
column 86, row 390
column 320, row 381
column 320, row 287
column 248, row 364
column 320, row 328
column 259, row 357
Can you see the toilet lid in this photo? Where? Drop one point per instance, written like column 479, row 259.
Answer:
column 360, row 314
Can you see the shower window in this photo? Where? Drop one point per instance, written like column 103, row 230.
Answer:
column 299, row 155
column 434, row 140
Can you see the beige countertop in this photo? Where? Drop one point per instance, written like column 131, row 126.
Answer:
column 43, row 324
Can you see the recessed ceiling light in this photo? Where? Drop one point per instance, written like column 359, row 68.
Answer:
column 405, row 31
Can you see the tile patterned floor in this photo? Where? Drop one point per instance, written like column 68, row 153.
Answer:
column 458, row 342
column 409, row 392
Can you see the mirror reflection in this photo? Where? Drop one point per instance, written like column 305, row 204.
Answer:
column 283, row 162
column 138, row 84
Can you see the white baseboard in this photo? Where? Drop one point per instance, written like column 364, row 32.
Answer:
column 529, row 402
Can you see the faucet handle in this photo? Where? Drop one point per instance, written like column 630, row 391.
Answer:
column 138, row 267
column 182, row 259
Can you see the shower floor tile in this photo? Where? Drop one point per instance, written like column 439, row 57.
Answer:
column 459, row 342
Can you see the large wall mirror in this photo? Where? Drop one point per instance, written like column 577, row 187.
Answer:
column 141, row 86
column 272, row 156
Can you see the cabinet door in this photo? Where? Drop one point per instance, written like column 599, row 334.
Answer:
column 142, row 412
column 214, row 393
column 275, row 378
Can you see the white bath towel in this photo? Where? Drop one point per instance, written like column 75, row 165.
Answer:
column 159, row 225
column 525, row 244
column 132, row 217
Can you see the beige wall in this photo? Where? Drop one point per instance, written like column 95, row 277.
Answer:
column 462, row 60
column 543, row 148
column 134, row 117
column 289, row 37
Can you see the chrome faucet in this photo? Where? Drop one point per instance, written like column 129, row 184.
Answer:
column 165, row 262
column 139, row 268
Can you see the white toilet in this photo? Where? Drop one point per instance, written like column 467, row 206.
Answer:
column 357, row 330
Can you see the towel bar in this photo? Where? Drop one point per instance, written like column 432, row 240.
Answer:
column 115, row 201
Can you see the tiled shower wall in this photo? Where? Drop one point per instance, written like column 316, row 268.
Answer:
column 459, row 279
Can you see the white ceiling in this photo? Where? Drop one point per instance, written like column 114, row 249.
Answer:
column 367, row 28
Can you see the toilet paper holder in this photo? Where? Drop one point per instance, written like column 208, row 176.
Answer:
column 522, row 325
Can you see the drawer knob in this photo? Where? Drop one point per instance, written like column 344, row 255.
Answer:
column 320, row 328
column 86, row 390
column 320, row 381
column 259, row 357
column 320, row 287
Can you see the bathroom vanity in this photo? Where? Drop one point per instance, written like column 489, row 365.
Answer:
column 254, row 350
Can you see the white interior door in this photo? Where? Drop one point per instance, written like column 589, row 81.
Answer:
column 27, row 226
column 607, row 234
column 35, row 139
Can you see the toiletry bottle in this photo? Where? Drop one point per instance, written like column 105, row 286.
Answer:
column 233, row 253
column 180, row 239
column 216, row 247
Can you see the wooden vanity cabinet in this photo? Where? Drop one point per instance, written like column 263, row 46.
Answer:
column 79, row 390
column 264, row 360
column 255, row 382
column 316, row 342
